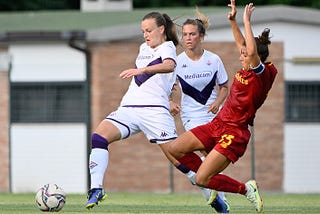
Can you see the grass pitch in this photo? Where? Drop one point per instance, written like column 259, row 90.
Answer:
column 164, row 203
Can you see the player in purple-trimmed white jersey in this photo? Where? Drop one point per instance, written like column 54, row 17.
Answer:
column 145, row 106
column 203, row 81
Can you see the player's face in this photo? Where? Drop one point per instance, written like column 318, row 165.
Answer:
column 191, row 36
column 244, row 58
column 152, row 34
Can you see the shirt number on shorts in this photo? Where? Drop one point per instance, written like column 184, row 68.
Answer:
column 226, row 140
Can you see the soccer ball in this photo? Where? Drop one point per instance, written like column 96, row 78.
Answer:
column 50, row 198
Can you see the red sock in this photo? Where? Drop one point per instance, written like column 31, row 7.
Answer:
column 224, row 183
column 191, row 161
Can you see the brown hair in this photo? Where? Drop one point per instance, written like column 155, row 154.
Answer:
column 201, row 21
column 169, row 26
column 262, row 43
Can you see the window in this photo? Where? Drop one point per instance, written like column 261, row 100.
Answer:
column 48, row 102
column 302, row 102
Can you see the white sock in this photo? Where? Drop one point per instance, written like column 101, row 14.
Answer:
column 206, row 192
column 99, row 159
column 191, row 176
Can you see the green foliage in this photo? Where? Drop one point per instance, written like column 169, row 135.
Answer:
column 22, row 5
column 170, row 3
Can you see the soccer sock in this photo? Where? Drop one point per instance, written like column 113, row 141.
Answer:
column 99, row 159
column 191, row 161
column 190, row 174
column 224, row 183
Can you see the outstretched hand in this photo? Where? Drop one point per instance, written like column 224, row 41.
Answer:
column 130, row 72
column 232, row 14
column 248, row 12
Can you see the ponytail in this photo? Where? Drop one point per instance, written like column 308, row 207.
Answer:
column 262, row 42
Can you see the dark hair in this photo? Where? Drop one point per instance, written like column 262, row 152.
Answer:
column 202, row 22
column 262, row 43
column 169, row 26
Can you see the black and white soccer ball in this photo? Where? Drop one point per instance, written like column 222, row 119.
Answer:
column 50, row 198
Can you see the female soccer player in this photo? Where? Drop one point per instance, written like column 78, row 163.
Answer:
column 226, row 137
column 145, row 106
column 199, row 73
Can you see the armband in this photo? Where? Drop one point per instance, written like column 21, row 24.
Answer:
column 259, row 69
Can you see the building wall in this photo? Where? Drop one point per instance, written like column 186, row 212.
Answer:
column 136, row 165
column 4, row 131
column 37, row 145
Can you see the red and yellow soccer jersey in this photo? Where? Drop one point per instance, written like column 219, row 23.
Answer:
column 247, row 93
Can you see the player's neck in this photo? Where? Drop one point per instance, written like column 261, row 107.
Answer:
column 195, row 54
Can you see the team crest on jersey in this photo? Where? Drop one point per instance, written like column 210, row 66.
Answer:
column 209, row 63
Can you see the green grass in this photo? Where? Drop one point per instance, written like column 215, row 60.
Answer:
column 164, row 203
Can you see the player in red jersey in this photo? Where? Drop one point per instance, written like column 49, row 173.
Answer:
column 225, row 138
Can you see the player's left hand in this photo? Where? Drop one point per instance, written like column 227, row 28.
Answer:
column 130, row 72
column 214, row 108
column 174, row 108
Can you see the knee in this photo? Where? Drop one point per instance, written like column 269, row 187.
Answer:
column 175, row 151
column 201, row 180
column 172, row 150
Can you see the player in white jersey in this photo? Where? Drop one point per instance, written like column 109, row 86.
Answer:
column 203, row 81
column 198, row 80
column 145, row 106
column 151, row 89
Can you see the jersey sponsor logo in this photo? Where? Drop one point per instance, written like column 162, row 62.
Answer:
column 200, row 96
column 143, row 57
column 241, row 79
column 198, row 75
column 226, row 140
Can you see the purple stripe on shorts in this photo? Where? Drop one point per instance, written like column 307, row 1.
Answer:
column 156, row 140
column 122, row 125
column 142, row 106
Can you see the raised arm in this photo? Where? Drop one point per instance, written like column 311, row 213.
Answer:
column 249, row 37
column 239, row 39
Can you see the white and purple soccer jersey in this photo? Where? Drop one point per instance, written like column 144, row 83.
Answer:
column 151, row 89
column 145, row 106
column 198, row 81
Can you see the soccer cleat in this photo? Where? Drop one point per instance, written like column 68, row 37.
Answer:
column 220, row 205
column 253, row 195
column 95, row 196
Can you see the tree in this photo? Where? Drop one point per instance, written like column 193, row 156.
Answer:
column 23, row 5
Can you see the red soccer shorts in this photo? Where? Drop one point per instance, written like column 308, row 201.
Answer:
column 229, row 141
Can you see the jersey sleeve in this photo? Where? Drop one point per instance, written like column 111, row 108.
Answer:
column 222, row 75
column 168, row 51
